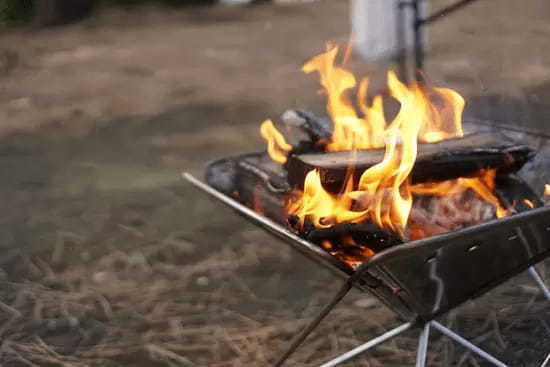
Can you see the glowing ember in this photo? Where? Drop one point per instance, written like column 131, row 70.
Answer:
column 483, row 186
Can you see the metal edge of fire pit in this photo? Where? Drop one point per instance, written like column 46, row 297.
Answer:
column 305, row 247
column 412, row 269
column 373, row 275
column 445, row 237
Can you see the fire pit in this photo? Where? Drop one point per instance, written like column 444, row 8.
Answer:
column 421, row 211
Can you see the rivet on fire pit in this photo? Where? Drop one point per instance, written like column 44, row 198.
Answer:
column 472, row 248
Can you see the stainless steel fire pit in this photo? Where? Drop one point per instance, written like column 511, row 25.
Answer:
column 423, row 279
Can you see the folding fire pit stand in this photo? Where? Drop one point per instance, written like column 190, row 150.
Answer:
column 423, row 279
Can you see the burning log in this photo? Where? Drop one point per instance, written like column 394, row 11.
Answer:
column 444, row 160
column 254, row 180
column 355, row 234
column 351, row 242
column 514, row 193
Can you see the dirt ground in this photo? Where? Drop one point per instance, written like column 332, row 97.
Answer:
column 109, row 259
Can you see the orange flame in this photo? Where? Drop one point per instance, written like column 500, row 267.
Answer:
column 383, row 190
column 322, row 207
column 441, row 119
column 384, row 194
column 350, row 131
column 444, row 119
column 277, row 147
column 483, row 186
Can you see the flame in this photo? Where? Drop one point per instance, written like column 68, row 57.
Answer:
column 546, row 190
column 383, row 193
column 321, row 207
column 386, row 184
column 529, row 203
column 277, row 147
column 442, row 117
column 483, row 185
column 350, row 131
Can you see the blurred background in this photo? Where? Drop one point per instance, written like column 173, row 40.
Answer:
column 109, row 259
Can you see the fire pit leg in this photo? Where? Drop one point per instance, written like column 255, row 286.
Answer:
column 316, row 321
column 423, row 342
column 466, row 344
column 368, row 345
column 538, row 279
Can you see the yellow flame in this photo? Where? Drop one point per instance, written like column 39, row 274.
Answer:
column 321, row 207
column 277, row 147
column 349, row 130
column 383, row 193
column 444, row 120
column 547, row 190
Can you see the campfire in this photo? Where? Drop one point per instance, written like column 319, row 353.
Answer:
column 412, row 206
column 358, row 182
column 398, row 195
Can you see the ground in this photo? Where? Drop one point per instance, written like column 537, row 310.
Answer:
column 109, row 259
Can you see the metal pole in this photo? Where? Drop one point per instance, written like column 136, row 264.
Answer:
column 538, row 279
column 466, row 344
column 401, row 42
column 368, row 345
column 418, row 39
column 423, row 342
column 313, row 324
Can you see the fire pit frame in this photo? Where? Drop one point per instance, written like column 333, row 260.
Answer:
column 361, row 278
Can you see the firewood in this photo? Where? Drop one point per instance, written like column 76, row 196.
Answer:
column 364, row 234
column 445, row 160
column 515, row 194
column 254, row 180
column 318, row 129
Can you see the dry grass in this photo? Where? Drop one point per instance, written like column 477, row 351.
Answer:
column 144, row 307
column 148, row 307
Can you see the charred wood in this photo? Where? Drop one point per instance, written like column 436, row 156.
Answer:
column 253, row 180
column 515, row 194
column 352, row 239
column 363, row 235
column 318, row 129
column 445, row 160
